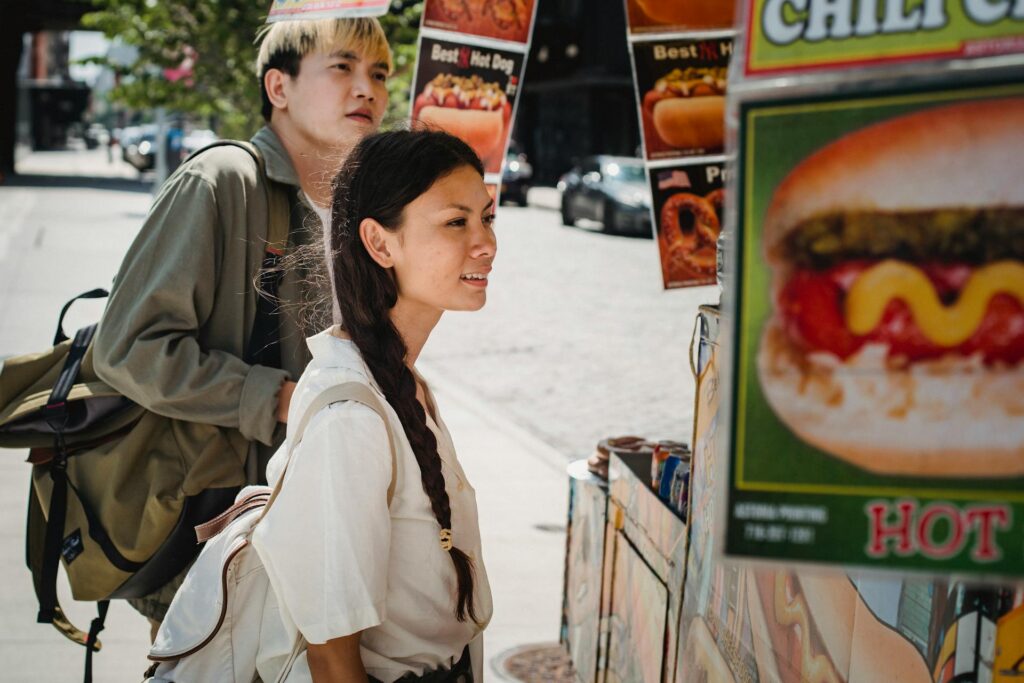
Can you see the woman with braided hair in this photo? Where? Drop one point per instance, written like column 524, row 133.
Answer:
column 373, row 554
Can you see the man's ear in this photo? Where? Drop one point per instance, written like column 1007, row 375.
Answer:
column 274, row 83
column 375, row 239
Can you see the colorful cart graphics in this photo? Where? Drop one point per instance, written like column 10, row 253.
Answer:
column 743, row 622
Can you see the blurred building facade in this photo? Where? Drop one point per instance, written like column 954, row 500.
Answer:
column 34, row 78
column 577, row 97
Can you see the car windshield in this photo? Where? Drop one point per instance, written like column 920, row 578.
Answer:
column 624, row 173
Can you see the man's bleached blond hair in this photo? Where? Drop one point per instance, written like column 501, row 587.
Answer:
column 283, row 44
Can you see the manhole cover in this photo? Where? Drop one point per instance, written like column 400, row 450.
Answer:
column 537, row 663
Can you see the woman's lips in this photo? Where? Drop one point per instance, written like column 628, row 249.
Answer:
column 476, row 279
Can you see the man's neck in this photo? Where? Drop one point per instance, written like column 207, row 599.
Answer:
column 314, row 167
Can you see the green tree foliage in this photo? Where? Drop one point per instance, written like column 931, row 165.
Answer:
column 221, row 33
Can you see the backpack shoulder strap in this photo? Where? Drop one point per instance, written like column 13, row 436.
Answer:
column 349, row 391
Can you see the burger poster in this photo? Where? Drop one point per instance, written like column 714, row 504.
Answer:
column 878, row 387
column 501, row 19
column 662, row 16
column 681, row 86
column 687, row 201
column 794, row 35
column 468, row 90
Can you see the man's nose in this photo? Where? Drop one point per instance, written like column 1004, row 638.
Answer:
column 363, row 86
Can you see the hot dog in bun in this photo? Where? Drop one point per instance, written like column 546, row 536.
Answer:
column 686, row 108
column 897, row 257
column 810, row 628
column 469, row 108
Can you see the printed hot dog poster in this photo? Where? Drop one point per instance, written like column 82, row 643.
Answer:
column 879, row 365
column 681, row 85
column 661, row 16
column 501, row 19
column 687, row 201
column 742, row 624
column 468, row 91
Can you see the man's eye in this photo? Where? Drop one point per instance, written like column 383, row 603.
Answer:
column 342, row 66
column 382, row 77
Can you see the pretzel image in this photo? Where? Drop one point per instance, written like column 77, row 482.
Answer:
column 693, row 243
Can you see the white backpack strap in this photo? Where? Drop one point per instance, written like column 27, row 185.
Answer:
column 349, row 391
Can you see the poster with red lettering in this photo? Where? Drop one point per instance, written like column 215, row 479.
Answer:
column 468, row 90
column 878, row 373
column 501, row 19
column 681, row 85
column 687, row 200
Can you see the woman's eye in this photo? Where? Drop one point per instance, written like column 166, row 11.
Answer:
column 457, row 223
column 489, row 219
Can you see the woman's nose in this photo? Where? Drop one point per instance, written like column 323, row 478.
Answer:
column 485, row 242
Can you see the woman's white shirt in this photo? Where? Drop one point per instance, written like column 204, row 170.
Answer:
column 340, row 560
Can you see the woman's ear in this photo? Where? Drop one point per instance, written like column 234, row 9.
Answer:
column 375, row 239
column 274, row 84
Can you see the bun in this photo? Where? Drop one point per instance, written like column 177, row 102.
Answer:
column 482, row 130
column 948, row 417
column 959, row 156
column 706, row 14
column 858, row 643
column 691, row 122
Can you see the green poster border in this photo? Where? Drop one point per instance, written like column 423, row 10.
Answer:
column 749, row 111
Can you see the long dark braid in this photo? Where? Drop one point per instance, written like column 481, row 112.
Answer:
column 382, row 175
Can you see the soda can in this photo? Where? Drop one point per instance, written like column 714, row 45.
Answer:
column 673, row 462
column 680, row 488
column 658, row 458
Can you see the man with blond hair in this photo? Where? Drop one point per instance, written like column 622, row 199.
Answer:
column 175, row 333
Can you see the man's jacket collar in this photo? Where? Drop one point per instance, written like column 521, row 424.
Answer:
column 279, row 164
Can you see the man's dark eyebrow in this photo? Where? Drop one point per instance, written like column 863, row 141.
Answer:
column 348, row 54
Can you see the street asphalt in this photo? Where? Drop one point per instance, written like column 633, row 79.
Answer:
column 578, row 341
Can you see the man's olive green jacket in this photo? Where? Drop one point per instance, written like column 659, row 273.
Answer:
column 179, row 316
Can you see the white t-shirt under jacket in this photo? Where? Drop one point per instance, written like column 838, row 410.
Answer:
column 340, row 561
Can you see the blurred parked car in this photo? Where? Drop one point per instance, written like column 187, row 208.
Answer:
column 612, row 190
column 96, row 135
column 516, row 173
column 138, row 146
